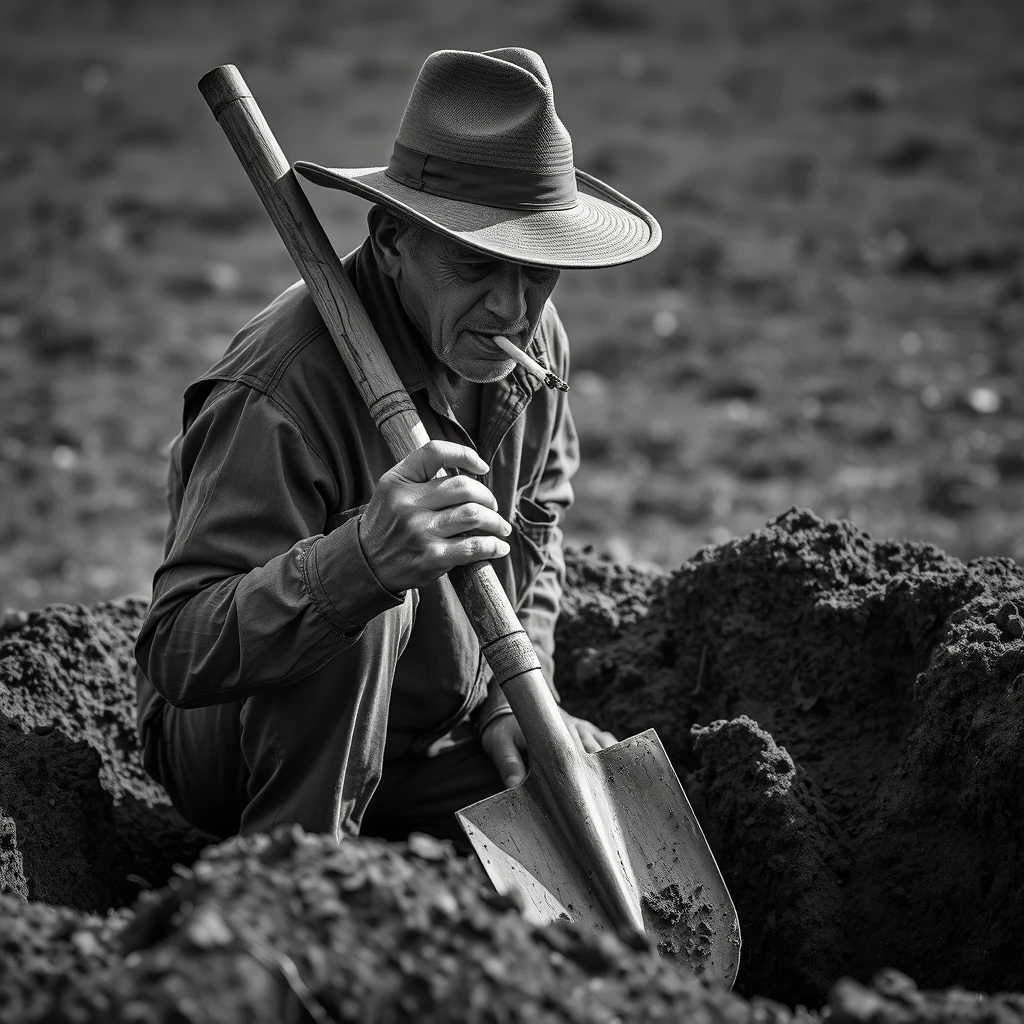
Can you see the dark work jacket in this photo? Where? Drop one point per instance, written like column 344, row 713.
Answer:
column 264, row 581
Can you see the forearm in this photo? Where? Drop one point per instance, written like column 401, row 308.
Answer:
column 211, row 637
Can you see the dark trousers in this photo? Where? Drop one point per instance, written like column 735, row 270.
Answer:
column 313, row 753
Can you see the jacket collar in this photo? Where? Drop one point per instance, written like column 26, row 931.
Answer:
column 409, row 353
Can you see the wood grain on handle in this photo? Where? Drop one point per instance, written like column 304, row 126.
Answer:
column 392, row 409
column 503, row 640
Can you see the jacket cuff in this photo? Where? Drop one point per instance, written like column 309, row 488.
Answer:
column 343, row 585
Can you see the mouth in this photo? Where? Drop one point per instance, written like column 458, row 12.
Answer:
column 489, row 348
column 511, row 349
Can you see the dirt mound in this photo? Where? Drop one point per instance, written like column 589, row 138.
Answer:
column 48, row 951
column 78, row 814
column 295, row 927
column 844, row 714
column 368, row 930
column 846, row 717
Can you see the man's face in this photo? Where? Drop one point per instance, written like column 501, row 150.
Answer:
column 460, row 298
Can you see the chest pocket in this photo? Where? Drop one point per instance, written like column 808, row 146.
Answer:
column 533, row 527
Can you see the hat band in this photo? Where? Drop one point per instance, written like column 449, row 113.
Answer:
column 502, row 187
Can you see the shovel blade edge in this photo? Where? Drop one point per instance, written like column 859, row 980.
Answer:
column 521, row 849
column 686, row 906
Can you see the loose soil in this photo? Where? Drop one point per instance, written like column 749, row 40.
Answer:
column 687, row 924
column 832, row 320
column 844, row 715
column 88, row 816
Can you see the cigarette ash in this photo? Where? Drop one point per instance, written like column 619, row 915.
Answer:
column 684, row 924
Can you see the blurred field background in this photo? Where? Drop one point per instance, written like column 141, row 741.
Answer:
column 833, row 319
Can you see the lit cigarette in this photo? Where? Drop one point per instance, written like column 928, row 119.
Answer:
column 552, row 380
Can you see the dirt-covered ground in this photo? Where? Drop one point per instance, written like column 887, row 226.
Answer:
column 832, row 320
column 844, row 715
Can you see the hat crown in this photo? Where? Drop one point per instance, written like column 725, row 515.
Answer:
column 492, row 109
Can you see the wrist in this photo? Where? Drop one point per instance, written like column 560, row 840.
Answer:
column 372, row 561
column 492, row 715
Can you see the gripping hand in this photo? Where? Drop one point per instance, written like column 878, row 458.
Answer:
column 417, row 525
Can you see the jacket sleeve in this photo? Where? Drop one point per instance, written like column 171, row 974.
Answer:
column 540, row 605
column 252, row 595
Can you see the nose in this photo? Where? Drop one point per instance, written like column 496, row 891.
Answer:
column 506, row 298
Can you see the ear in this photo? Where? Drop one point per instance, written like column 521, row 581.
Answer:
column 385, row 231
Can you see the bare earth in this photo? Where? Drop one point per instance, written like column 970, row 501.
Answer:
column 832, row 320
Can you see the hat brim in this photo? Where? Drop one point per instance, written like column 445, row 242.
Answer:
column 604, row 229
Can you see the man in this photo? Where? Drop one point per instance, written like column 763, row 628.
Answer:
column 305, row 658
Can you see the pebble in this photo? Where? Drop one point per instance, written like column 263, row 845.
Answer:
column 1009, row 620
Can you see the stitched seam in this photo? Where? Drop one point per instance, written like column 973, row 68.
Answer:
column 351, row 627
column 291, row 353
column 313, row 450
column 256, row 384
column 304, row 572
column 277, row 753
column 241, row 377
column 266, row 387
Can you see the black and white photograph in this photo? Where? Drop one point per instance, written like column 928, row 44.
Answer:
column 511, row 511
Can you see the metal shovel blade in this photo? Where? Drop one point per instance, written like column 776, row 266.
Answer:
column 685, row 905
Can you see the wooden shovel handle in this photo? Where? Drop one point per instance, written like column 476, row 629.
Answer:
column 503, row 640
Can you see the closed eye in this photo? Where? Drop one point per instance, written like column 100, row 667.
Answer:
column 477, row 269
column 540, row 274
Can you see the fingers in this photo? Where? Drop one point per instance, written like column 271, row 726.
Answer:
column 589, row 736
column 471, row 518
column 594, row 740
column 463, row 550
column 457, row 490
column 425, row 463
column 416, row 526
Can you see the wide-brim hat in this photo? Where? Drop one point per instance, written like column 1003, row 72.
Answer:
column 482, row 157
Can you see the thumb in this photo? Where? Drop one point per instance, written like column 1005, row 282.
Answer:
column 511, row 767
column 425, row 463
column 505, row 745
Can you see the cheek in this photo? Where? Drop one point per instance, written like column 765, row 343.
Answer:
column 415, row 296
column 465, row 304
column 537, row 294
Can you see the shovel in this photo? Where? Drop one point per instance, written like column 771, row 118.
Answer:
column 607, row 840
